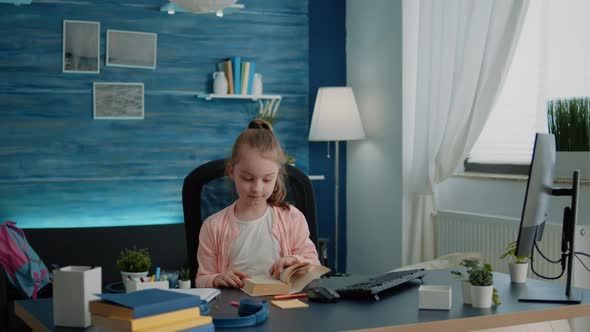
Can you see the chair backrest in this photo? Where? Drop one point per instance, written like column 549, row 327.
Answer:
column 207, row 190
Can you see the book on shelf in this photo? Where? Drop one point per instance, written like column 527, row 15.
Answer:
column 251, row 76
column 245, row 74
column 180, row 319
column 236, row 62
column 292, row 280
column 229, row 75
column 143, row 303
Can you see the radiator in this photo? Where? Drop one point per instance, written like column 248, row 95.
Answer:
column 458, row 231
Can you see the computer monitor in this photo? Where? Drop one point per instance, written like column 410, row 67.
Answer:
column 538, row 192
column 534, row 216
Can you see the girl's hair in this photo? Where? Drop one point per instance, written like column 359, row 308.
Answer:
column 259, row 135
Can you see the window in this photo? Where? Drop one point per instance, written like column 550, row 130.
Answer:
column 550, row 61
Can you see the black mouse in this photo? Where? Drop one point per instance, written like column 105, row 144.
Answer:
column 322, row 294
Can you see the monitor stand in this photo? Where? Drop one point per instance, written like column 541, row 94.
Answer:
column 570, row 214
column 551, row 295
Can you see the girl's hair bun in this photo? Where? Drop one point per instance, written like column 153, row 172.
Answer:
column 260, row 124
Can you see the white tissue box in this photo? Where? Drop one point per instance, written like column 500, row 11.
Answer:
column 73, row 287
column 435, row 297
column 135, row 285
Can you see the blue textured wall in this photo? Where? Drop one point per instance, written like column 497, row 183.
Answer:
column 327, row 67
column 61, row 168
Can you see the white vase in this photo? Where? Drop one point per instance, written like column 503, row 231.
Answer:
column 518, row 272
column 481, row 296
column 184, row 284
column 219, row 83
column 257, row 84
column 126, row 276
column 466, row 292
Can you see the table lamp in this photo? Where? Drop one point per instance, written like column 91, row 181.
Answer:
column 335, row 118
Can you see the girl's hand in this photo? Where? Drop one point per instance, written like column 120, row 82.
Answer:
column 231, row 278
column 280, row 264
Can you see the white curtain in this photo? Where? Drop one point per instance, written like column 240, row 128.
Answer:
column 455, row 57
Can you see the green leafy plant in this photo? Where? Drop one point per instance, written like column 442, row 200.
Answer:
column 478, row 275
column 469, row 264
column 184, row 274
column 482, row 276
column 510, row 250
column 569, row 120
column 134, row 260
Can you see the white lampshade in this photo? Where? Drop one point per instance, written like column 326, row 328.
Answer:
column 335, row 116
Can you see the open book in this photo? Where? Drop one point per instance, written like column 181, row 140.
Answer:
column 293, row 279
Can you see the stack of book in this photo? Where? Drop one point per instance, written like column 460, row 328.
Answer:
column 239, row 75
column 150, row 310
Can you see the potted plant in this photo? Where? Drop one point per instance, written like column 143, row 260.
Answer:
column 519, row 265
column 464, row 278
column 184, row 280
column 134, row 263
column 569, row 120
column 483, row 292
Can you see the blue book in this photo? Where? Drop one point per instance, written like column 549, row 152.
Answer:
column 202, row 328
column 251, row 76
column 150, row 302
column 237, row 67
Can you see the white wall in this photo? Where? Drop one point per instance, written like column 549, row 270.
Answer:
column 374, row 165
column 504, row 198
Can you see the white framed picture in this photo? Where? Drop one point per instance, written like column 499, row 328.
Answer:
column 131, row 49
column 81, row 47
column 118, row 100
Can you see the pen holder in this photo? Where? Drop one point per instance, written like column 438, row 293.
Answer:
column 73, row 287
column 135, row 285
column 171, row 276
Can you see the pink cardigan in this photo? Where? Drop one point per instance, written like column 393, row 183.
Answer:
column 219, row 232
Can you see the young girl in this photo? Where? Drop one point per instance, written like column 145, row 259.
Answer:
column 259, row 233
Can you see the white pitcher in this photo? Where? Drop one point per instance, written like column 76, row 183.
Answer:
column 257, row 84
column 219, row 83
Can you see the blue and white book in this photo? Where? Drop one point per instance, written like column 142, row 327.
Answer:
column 237, row 67
column 149, row 302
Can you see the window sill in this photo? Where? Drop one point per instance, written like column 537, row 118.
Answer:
column 510, row 177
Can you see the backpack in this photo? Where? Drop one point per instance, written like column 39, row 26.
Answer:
column 25, row 270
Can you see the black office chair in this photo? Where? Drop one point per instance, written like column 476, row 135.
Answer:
column 207, row 190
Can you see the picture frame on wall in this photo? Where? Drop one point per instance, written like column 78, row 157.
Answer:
column 81, row 47
column 119, row 101
column 131, row 49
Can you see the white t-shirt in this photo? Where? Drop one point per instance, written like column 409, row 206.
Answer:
column 256, row 248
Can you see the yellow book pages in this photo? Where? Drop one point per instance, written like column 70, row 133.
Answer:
column 102, row 308
column 125, row 324
column 293, row 279
column 182, row 325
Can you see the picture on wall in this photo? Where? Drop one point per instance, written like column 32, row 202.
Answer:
column 131, row 49
column 118, row 100
column 81, row 47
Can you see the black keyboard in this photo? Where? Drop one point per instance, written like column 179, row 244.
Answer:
column 371, row 288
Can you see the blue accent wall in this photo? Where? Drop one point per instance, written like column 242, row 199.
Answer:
column 327, row 67
column 61, row 168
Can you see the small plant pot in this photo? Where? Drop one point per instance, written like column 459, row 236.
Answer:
column 518, row 272
column 184, row 284
column 126, row 276
column 466, row 292
column 481, row 296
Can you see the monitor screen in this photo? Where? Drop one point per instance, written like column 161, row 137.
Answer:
column 538, row 193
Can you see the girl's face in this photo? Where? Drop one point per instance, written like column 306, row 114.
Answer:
column 255, row 175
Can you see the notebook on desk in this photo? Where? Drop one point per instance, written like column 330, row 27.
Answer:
column 206, row 294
